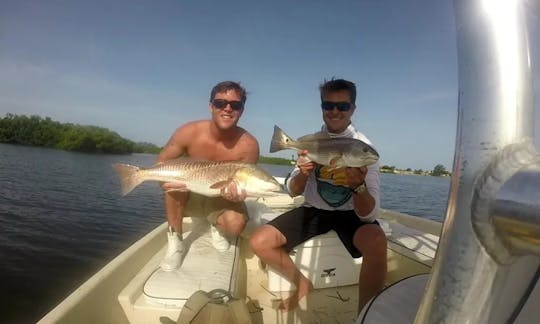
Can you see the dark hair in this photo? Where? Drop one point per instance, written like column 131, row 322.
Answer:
column 226, row 86
column 335, row 85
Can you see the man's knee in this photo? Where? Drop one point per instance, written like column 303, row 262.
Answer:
column 256, row 240
column 370, row 240
column 265, row 237
column 231, row 222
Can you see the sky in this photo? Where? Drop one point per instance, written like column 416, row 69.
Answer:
column 143, row 68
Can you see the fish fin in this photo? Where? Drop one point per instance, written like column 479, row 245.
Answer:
column 313, row 137
column 303, row 159
column 331, row 169
column 129, row 177
column 221, row 184
column 280, row 140
column 336, row 162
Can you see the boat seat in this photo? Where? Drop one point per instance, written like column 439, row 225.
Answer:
column 397, row 303
column 323, row 260
column 154, row 294
column 203, row 268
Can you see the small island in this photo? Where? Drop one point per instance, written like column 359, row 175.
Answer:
column 45, row 132
column 438, row 171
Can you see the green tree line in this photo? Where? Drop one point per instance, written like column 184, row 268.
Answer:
column 38, row 131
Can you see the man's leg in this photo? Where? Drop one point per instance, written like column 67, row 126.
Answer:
column 175, row 202
column 267, row 242
column 228, row 219
column 231, row 222
column 370, row 240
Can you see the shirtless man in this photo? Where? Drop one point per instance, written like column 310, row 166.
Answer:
column 216, row 139
column 344, row 200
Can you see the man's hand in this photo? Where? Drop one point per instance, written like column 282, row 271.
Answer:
column 355, row 176
column 174, row 186
column 297, row 184
column 231, row 192
column 305, row 165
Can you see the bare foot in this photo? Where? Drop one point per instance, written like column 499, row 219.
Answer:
column 304, row 287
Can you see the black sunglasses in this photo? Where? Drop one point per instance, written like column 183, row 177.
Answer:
column 222, row 103
column 341, row 106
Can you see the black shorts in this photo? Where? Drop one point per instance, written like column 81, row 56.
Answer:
column 300, row 224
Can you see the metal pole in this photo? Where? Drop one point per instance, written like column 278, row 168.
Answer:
column 479, row 275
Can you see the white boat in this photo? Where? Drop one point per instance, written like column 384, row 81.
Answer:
column 481, row 266
column 115, row 293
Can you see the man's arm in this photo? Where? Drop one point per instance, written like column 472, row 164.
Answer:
column 174, row 200
column 174, row 147
column 249, row 149
column 365, row 202
column 297, row 183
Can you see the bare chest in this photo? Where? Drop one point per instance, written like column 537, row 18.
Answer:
column 215, row 151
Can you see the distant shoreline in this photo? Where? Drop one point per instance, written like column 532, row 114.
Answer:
column 423, row 173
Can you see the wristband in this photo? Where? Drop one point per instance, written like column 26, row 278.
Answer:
column 360, row 189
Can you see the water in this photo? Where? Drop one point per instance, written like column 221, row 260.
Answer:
column 62, row 219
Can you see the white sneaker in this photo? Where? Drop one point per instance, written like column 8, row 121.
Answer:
column 173, row 255
column 219, row 241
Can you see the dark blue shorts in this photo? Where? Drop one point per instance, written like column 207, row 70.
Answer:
column 300, row 224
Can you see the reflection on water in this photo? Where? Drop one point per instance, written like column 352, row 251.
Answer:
column 62, row 218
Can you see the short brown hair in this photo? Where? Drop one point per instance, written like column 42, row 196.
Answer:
column 334, row 85
column 226, row 86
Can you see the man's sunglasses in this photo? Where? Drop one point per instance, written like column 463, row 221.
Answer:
column 222, row 103
column 341, row 106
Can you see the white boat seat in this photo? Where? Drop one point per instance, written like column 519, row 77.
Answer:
column 203, row 268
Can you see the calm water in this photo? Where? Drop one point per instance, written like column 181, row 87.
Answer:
column 62, row 219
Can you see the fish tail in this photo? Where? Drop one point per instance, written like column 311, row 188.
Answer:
column 129, row 177
column 280, row 140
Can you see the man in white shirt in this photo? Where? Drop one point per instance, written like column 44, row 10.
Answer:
column 344, row 200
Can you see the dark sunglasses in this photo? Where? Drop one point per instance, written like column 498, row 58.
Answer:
column 341, row 106
column 222, row 103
